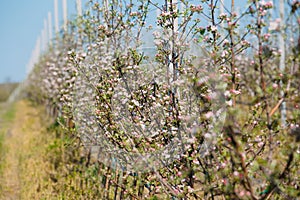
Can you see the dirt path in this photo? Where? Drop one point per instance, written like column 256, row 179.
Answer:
column 24, row 128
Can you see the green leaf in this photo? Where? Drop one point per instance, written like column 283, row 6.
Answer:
column 202, row 31
column 200, row 39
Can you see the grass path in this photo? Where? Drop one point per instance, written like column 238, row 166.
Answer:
column 21, row 133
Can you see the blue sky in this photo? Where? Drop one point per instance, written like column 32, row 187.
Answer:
column 21, row 22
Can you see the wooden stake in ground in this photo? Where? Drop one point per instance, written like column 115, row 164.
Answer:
column 282, row 60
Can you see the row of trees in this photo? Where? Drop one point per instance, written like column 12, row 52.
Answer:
column 200, row 117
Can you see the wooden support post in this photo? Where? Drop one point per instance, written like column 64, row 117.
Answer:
column 282, row 61
column 56, row 16
column 222, row 11
column 49, row 28
column 65, row 15
column 79, row 8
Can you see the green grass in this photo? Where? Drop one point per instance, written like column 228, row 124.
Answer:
column 6, row 117
column 6, row 89
column 9, row 114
